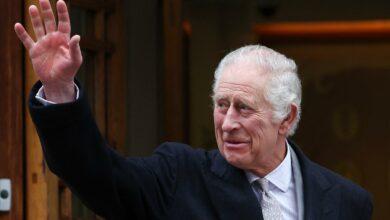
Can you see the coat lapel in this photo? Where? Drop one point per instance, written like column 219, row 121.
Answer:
column 230, row 191
column 321, row 198
column 233, row 197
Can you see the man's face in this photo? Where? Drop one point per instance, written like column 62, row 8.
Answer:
column 245, row 133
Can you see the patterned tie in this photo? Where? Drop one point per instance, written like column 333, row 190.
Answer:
column 270, row 207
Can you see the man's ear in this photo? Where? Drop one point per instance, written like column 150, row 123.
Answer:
column 286, row 124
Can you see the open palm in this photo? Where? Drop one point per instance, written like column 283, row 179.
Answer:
column 55, row 56
column 52, row 60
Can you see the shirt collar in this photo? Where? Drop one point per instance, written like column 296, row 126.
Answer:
column 280, row 177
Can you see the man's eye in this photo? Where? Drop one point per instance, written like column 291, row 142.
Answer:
column 244, row 107
column 222, row 105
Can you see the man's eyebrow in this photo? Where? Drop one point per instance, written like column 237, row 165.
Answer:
column 239, row 98
column 219, row 96
column 246, row 101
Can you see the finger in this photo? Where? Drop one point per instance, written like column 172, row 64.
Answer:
column 63, row 18
column 24, row 36
column 75, row 51
column 36, row 22
column 48, row 16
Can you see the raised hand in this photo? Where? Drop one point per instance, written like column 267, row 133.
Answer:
column 55, row 56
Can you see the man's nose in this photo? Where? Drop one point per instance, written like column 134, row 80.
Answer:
column 230, row 121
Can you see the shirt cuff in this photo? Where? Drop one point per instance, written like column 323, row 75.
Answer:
column 40, row 96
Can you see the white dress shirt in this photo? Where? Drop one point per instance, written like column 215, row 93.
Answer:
column 40, row 96
column 282, row 187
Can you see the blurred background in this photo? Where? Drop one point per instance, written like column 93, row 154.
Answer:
column 148, row 70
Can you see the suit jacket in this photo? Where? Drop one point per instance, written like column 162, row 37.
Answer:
column 177, row 181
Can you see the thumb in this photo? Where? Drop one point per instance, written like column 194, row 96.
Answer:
column 75, row 51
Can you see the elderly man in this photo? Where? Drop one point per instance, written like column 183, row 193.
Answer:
column 256, row 173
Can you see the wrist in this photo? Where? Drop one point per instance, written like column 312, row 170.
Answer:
column 60, row 93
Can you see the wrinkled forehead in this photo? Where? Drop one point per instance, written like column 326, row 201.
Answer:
column 243, row 74
column 242, row 81
column 250, row 98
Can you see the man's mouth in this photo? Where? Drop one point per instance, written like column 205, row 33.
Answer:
column 235, row 144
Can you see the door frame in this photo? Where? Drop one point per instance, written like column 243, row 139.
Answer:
column 11, row 110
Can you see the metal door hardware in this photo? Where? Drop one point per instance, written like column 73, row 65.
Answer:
column 5, row 195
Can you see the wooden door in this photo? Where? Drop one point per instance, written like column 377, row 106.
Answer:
column 99, row 23
column 11, row 107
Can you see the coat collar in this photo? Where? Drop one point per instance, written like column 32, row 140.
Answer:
column 230, row 191
column 321, row 197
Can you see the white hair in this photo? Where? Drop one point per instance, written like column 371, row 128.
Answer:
column 282, row 88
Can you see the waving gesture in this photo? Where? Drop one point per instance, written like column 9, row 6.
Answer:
column 55, row 56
